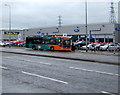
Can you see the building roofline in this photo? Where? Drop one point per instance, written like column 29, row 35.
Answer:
column 106, row 23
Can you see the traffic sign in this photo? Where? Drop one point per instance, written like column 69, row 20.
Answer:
column 42, row 34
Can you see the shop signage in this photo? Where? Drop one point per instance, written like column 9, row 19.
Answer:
column 11, row 33
column 76, row 30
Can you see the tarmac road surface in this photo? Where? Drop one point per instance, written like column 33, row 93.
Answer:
column 35, row 74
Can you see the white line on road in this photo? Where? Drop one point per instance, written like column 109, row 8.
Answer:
column 31, row 74
column 94, row 71
column 8, row 57
column 31, row 61
column 44, row 63
column 38, row 62
column 107, row 93
column 3, row 67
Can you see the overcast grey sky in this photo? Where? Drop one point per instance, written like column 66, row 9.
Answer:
column 44, row 13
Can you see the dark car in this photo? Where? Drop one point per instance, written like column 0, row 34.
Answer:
column 79, row 44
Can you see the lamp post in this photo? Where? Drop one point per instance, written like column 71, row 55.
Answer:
column 9, row 22
column 86, row 23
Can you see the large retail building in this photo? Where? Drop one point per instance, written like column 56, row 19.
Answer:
column 105, row 32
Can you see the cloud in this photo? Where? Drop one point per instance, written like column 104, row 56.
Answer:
column 44, row 13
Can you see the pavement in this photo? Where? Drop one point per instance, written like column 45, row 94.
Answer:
column 98, row 56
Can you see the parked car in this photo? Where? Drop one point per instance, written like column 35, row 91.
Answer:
column 114, row 46
column 18, row 43
column 95, row 46
column 2, row 43
column 21, row 44
column 104, row 46
column 88, row 47
column 79, row 44
column 7, row 43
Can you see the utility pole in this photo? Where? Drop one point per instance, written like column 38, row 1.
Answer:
column 59, row 20
column 9, row 22
column 59, row 23
column 86, row 23
column 112, row 19
column 112, row 13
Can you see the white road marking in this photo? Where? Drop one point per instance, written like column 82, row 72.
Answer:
column 31, row 61
column 8, row 57
column 44, row 63
column 27, row 60
column 107, row 93
column 31, row 74
column 94, row 71
column 38, row 62
column 3, row 67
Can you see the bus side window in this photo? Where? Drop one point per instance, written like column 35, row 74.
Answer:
column 46, row 41
column 39, row 41
column 30, row 40
column 43, row 42
column 52, row 41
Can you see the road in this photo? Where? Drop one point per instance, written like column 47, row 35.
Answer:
column 35, row 74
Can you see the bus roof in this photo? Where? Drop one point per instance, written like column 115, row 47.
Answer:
column 61, row 37
column 48, row 37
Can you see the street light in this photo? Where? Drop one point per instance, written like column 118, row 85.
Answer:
column 9, row 22
column 86, row 22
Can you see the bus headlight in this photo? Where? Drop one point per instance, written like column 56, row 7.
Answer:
column 39, row 47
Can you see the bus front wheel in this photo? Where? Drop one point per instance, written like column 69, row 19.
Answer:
column 51, row 48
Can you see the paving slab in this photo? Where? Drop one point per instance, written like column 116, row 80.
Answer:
column 105, row 57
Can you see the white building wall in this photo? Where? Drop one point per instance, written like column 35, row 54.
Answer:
column 1, row 35
column 104, row 30
column 97, row 29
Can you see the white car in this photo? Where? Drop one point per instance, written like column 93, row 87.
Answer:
column 104, row 47
column 113, row 47
column 2, row 44
column 88, row 46
column 7, row 43
column 94, row 46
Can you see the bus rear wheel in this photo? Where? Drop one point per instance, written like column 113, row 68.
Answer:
column 34, row 48
column 51, row 48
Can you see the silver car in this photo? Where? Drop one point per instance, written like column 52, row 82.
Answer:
column 104, row 46
column 114, row 47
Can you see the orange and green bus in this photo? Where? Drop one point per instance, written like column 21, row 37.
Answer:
column 59, row 43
